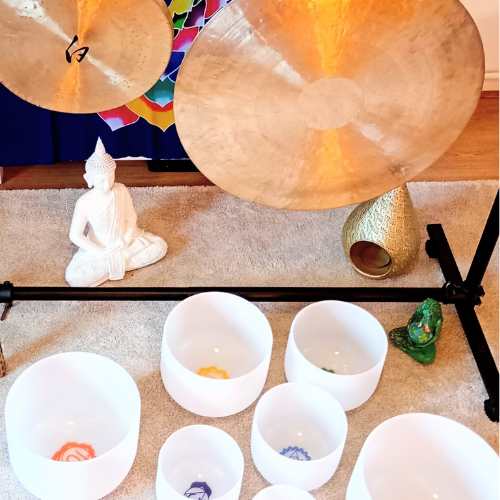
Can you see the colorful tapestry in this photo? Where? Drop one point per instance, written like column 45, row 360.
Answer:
column 156, row 105
column 143, row 128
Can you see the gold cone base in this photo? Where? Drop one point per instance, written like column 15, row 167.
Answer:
column 381, row 237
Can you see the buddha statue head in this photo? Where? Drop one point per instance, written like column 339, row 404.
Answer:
column 100, row 169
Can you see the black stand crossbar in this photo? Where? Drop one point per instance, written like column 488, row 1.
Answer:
column 10, row 293
column 463, row 295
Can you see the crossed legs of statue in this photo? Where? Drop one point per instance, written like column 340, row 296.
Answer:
column 86, row 270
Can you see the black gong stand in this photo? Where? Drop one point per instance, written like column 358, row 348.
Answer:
column 464, row 294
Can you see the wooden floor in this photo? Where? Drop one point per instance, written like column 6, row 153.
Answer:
column 474, row 156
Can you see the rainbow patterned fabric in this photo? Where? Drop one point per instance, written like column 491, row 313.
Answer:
column 156, row 105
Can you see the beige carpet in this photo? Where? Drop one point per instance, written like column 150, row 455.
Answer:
column 215, row 239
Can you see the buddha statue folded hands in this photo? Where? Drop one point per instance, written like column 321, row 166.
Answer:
column 114, row 244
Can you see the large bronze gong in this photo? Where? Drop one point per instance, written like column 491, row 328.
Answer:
column 316, row 104
column 83, row 56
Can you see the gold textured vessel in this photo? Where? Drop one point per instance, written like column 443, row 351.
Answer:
column 381, row 237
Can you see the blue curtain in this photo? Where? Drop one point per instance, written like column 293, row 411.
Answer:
column 32, row 135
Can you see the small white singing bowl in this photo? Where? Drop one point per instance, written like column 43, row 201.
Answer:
column 283, row 492
column 199, row 462
column 298, row 435
column 60, row 413
column 424, row 457
column 225, row 338
column 342, row 337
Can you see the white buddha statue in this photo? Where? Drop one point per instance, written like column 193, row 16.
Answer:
column 114, row 244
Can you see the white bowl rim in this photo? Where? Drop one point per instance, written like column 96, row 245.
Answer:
column 410, row 416
column 241, row 458
column 208, row 380
column 339, row 406
column 321, row 372
column 83, row 462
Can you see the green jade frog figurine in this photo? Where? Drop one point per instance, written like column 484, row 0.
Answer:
column 419, row 337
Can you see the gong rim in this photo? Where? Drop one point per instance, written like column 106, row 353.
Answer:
column 240, row 70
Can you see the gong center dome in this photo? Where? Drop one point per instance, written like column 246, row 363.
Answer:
column 330, row 103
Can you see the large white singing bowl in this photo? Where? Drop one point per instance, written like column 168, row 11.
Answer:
column 215, row 330
column 283, row 492
column 342, row 337
column 424, row 457
column 199, row 461
column 72, row 398
column 298, row 435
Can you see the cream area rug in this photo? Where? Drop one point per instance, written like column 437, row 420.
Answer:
column 216, row 239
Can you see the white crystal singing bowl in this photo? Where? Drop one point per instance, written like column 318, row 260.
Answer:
column 195, row 455
column 424, row 457
column 79, row 398
column 283, row 492
column 215, row 330
column 304, row 422
column 342, row 337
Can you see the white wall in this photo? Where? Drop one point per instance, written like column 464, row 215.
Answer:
column 485, row 14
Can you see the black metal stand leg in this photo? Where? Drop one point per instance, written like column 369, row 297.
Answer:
column 171, row 166
column 482, row 354
column 3, row 365
column 442, row 252
column 7, row 306
column 484, row 252
column 438, row 247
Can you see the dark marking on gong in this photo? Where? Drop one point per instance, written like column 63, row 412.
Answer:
column 80, row 53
